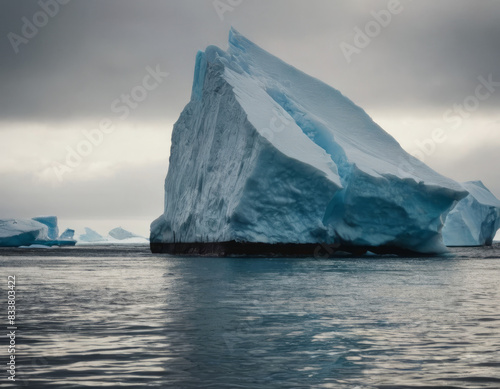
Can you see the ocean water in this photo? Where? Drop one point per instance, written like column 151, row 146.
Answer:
column 122, row 317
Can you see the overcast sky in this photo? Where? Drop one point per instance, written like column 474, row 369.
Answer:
column 64, row 76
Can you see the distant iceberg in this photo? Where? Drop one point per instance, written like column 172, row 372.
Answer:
column 51, row 223
column 117, row 236
column 22, row 232
column 121, row 234
column 91, row 236
column 68, row 234
column 32, row 233
column 67, row 238
column 475, row 220
column 36, row 232
column 268, row 160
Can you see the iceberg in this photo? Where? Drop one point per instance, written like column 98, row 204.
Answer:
column 268, row 160
column 91, row 236
column 51, row 223
column 21, row 232
column 121, row 234
column 67, row 238
column 33, row 233
column 117, row 236
column 68, row 234
column 475, row 220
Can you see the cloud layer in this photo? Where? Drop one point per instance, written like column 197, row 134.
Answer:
column 90, row 52
column 421, row 62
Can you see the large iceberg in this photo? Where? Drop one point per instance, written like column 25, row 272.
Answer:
column 22, row 232
column 475, row 220
column 266, row 159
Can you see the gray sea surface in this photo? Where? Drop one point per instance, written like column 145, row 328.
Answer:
column 122, row 317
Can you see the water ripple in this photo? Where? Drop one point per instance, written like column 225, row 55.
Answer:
column 92, row 317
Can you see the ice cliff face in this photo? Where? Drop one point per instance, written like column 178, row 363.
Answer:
column 265, row 153
column 475, row 220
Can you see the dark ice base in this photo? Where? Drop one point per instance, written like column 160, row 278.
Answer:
column 251, row 249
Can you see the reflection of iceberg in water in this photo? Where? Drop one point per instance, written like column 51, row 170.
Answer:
column 242, row 323
column 263, row 323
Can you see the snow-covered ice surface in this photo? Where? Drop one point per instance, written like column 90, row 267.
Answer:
column 475, row 220
column 51, row 223
column 265, row 153
column 21, row 232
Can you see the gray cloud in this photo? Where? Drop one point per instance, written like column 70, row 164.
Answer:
column 132, row 191
column 480, row 163
column 425, row 60
column 91, row 51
